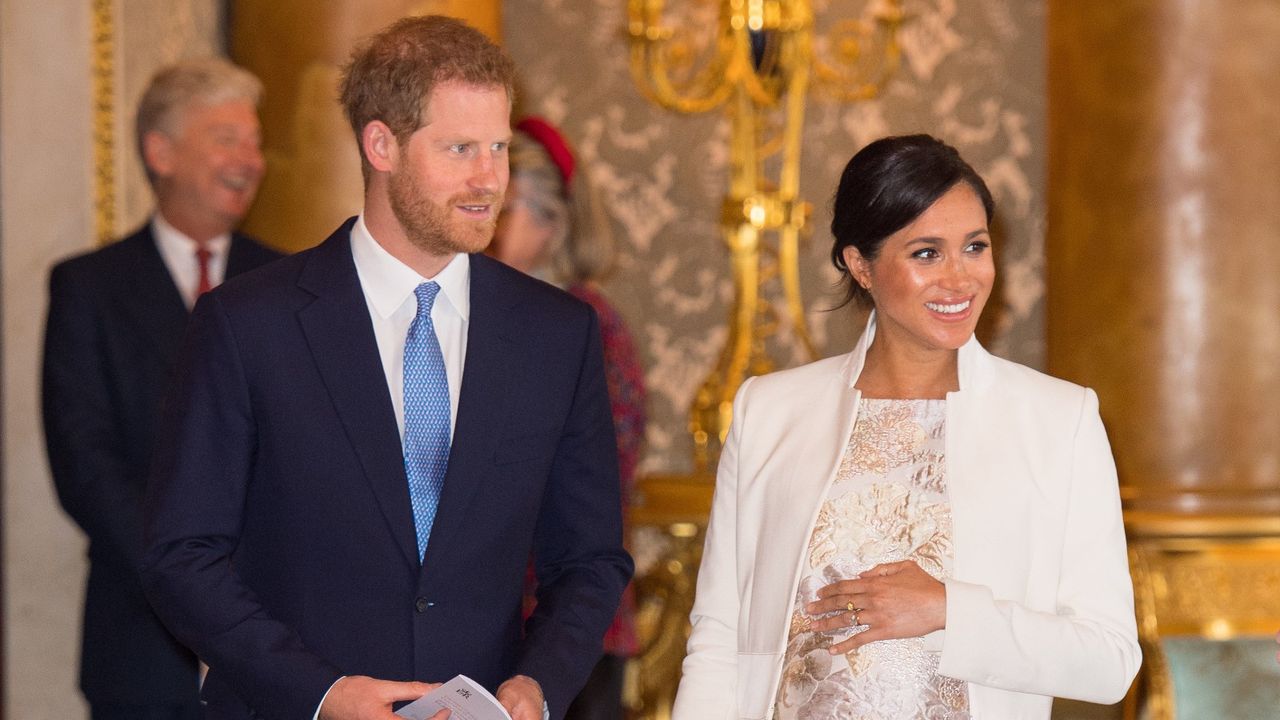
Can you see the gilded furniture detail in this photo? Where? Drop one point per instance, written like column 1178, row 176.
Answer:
column 675, row 508
column 1208, row 578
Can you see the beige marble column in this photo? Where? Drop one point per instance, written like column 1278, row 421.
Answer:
column 1164, row 241
column 298, row 48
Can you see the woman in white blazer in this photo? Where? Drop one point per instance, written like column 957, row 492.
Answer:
column 917, row 529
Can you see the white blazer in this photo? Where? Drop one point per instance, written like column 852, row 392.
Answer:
column 1040, row 604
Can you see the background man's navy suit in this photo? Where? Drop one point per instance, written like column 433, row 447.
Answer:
column 115, row 327
column 281, row 539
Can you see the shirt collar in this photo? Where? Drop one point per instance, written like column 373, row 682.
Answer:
column 388, row 283
column 173, row 241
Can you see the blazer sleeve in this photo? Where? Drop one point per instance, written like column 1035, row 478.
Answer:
column 579, row 560
column 1087, row 649
column 201, row 475
column 709, row 680
column 82, row 434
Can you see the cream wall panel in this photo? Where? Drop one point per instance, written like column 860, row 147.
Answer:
column 45, row 212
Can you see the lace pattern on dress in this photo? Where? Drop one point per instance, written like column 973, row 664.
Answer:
column 888, row 503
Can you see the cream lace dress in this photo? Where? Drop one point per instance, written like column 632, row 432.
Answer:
column 888, row 503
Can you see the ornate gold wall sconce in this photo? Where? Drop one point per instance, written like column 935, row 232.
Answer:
column 758, row 63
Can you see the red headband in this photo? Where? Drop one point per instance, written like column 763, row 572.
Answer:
column 551, row 139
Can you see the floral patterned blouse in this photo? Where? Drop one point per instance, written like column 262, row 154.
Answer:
column 888, row 503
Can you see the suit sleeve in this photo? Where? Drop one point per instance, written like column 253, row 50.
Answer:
column 82, row 434
column 709, row 681
column 202, row 473
column 580, row 563
column 1087, row 649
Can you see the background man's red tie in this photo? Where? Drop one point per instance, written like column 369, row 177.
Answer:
column 202, row 258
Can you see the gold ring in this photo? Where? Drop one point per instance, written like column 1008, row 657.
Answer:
column 849, row 607
column 856, row 621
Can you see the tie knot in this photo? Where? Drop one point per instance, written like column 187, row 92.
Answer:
column 203, row 254
column 426, row 293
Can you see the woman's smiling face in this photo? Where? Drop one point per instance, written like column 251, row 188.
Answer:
column 931, row 279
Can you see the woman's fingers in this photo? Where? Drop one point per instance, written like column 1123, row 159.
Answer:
column 843, row 620
column 856, row 641
column 845, row 595
column 887, row 569
column 841, row 587
column 838, row 603
column 895, row 600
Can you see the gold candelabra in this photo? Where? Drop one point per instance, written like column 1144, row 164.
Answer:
column 758, row 64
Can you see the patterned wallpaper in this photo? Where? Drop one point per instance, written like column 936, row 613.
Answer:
column 972, row 73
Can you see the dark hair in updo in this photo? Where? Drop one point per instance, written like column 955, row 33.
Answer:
column 886, row 186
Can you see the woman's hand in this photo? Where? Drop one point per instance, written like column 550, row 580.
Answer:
column 894, row 600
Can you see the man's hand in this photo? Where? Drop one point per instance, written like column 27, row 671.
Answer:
column 892, row 600
column 522, row 697
column 357, row 697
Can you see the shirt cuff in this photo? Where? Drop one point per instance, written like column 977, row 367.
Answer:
column 335, row 682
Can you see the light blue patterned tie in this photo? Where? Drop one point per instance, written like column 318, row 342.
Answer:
column 426, row 415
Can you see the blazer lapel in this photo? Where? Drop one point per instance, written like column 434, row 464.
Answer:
column 481, row 403
column 794, row 497
column 345, row 351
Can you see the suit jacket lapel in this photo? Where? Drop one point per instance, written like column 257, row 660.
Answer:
column 481, row 403
column 238, row 259
column 150, row 295
column 345, row 351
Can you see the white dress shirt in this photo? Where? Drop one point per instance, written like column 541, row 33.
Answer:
column 179, row 254
column 388, row 286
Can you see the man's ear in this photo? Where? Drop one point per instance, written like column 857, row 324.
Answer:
column 157, row 152
column 380, row 146
column 858, row 266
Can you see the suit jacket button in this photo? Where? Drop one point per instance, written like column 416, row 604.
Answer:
column 421, row 604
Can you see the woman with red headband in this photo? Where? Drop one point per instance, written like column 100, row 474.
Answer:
column 549, row 228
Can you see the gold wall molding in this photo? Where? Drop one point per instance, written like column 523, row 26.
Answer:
column 103, row 71
column 130, row 41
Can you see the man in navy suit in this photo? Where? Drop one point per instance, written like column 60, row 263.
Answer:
column 115, row 326
column 290, row 541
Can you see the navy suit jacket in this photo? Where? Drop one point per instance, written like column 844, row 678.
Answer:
column 280, row 534
column 115, row 326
